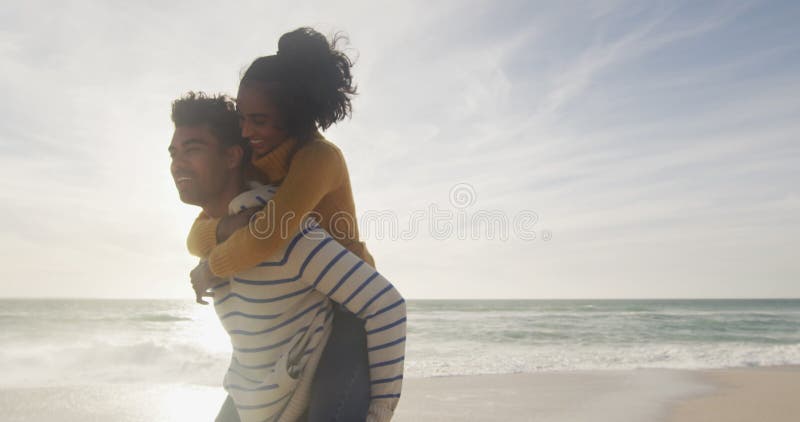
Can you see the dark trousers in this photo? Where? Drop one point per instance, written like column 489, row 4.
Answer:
column 340, row 390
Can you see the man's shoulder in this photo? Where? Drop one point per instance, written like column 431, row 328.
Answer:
column 302, row 259
column 257, row 196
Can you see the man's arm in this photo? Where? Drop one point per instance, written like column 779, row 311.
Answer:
column 348, row 280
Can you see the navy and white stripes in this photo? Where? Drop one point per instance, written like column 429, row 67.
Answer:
column 279, row 317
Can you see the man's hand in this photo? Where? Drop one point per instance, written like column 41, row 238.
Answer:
column 230, row 223
column 202, row 280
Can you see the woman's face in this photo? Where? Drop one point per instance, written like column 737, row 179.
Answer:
column 259, row 119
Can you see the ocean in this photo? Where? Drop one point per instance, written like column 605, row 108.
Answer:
column 52, row 343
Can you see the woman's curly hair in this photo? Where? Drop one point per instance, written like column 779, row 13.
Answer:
column 308, row 80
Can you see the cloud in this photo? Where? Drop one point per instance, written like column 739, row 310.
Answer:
column 627, row 127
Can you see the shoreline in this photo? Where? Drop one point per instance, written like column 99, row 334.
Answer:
column 635, row 395
column 646, row 395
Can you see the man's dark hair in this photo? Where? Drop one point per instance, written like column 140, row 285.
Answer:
column 308, row 80
column 218, row 112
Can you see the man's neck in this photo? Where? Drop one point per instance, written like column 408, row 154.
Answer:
column 218, row 206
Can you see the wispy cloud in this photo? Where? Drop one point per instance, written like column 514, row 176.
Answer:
column 654, row 137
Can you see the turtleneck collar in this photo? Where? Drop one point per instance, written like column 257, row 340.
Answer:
column 275, row 164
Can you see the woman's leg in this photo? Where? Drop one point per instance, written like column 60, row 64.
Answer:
column 340, row 390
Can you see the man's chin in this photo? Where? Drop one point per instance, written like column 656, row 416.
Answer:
column 189, row 198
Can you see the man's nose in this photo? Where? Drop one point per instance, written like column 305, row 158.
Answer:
column 247, row 129
column 177, row 165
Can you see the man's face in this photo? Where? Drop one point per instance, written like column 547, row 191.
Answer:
column 200, row 165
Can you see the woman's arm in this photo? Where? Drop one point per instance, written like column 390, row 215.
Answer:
column 202, row 236
column 206, row 232
column 316, row 170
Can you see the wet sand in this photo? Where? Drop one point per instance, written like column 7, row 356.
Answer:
column 739, row 394
column 746, row 394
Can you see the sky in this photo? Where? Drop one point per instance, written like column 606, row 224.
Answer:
column 649, row 149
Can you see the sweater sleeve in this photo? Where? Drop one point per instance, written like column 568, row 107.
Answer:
column 315, row 171
column 203, row 235
column 372, row 298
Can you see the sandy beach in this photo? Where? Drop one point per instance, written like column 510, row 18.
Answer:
column 747, row 394
column 621, row 396
column 741, row 394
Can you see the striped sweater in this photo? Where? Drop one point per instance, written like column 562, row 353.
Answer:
column 279, row 315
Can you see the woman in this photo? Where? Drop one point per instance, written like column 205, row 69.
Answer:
column 283, row 100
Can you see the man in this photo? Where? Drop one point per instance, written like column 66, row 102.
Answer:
column 279, row 313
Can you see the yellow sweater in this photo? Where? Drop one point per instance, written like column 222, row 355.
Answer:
column 313, row 178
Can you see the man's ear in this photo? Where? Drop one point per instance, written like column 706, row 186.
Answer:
column 235, row 156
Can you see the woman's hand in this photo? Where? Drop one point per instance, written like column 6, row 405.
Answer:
column 229, row 224
column 202, row 280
